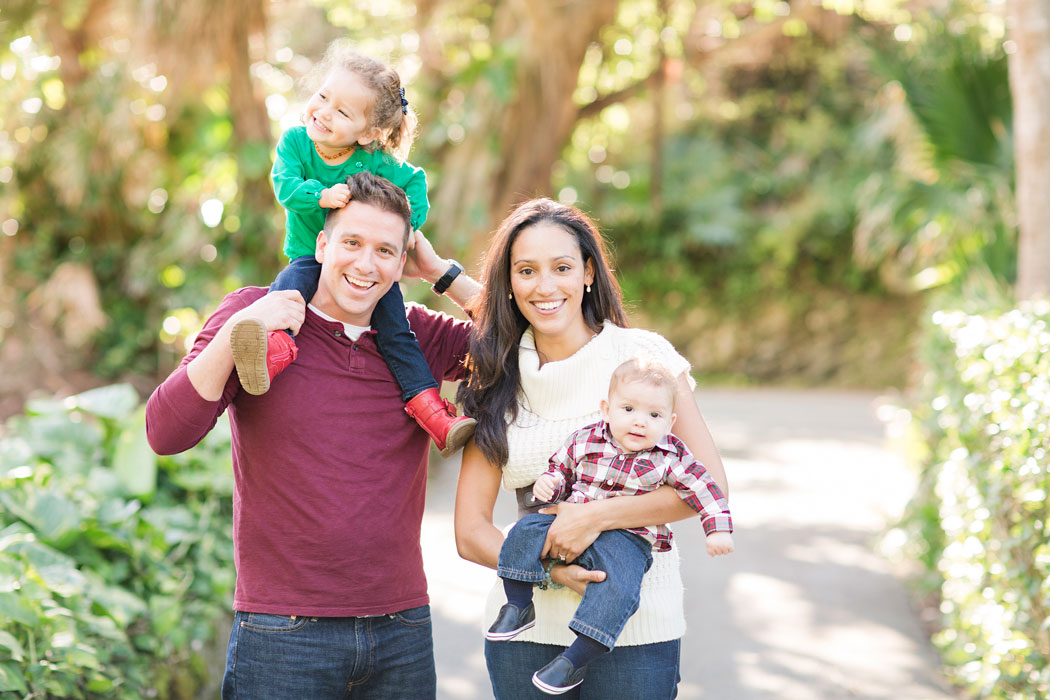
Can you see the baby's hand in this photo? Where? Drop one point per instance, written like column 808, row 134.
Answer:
column 335, row 197
column 719, row 543
column 543, row 489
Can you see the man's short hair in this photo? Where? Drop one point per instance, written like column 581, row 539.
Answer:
column 382, row 194
column 647, row 370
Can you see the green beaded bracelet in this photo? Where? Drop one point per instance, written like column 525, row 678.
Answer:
column 548, row 582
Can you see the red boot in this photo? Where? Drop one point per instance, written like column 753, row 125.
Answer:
column 438, row 417
column 260, row 356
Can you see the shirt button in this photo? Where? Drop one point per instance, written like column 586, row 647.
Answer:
column 338, row 334
column 359, row 164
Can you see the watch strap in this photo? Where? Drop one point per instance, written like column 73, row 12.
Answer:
column 442, row 285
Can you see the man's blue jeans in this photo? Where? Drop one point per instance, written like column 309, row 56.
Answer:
column 606, row 606
column 277, row 657
column 394, row 337
column 643, row 672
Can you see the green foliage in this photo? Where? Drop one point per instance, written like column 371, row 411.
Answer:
column 867, row 155
column 114, row 564
column 761, row 204
column 946, row 210
column 960, row 95
column 981, row 512
column 104, row 164
column 862, row 163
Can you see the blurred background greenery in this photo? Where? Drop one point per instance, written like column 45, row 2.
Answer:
column 783, row 183
column 791, row 189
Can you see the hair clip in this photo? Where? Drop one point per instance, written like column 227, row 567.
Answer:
column 404, row 102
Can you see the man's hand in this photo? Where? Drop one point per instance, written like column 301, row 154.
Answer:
column 335, row 197
column 422, row 261
column 543, row 489
column 209, row 370
column 277, row 311
column 719, row 543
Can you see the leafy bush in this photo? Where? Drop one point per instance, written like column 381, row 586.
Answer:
column 755, row 206
column 115, row 565
column 982, row 507
column 944, row 213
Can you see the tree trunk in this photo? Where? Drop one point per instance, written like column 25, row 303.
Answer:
column 510, row 147
column 656, row 164
column 246, row 19
column 227, row 38
column 1030, row 86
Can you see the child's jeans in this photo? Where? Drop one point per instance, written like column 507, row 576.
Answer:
column 394, row 338
column 606, row 606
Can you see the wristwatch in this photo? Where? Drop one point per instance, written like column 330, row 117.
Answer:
column 442, row 285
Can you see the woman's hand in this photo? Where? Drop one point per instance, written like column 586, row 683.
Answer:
column 575, row 576
column 572, row 531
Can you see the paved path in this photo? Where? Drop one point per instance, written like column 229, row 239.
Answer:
column 805, row 609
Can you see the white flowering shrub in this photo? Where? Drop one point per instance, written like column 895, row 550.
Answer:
column 984, row 501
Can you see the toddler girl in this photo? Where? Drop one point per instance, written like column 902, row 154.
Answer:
column 358, row 119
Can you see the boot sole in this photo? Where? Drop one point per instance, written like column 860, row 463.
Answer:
column 248, row 342
column 458, row 436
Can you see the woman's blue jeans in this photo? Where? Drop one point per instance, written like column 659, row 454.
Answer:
column 643, row 672
column 277, row 657
column 606, row 606
column 396, row 342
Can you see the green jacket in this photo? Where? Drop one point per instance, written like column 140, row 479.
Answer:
column 299, row 174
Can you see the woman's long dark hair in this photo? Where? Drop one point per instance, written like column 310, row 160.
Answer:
column 490, row 392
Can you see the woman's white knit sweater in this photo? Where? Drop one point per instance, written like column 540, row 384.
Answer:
column 555, row 400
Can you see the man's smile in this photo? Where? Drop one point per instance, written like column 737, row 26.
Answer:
column 358, row 283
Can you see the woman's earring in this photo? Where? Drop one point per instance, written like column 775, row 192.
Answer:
column 510, row 295
column 588, row 289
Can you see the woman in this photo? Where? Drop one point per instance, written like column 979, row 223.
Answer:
column 549, row 329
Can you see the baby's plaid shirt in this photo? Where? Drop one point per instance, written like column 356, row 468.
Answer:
column 591, row 466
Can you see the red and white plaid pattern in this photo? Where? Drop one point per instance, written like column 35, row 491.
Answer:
column 591, row 467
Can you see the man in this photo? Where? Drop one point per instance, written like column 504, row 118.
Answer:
column 330, row 472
